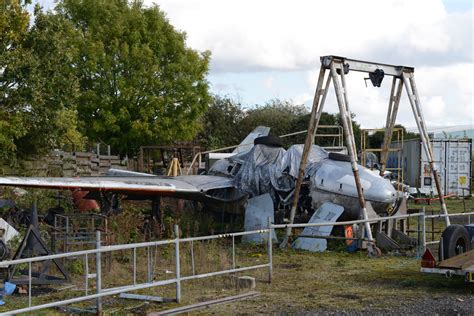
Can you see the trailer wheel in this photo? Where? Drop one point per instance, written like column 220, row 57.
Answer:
column 455, row 240
column 272, row 141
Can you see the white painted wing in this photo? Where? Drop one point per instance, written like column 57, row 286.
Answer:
column 182, row 186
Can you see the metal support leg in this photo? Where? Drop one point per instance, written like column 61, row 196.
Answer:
column 347, row 125
column 412, row 93
column 390, row 123
column 317, row 109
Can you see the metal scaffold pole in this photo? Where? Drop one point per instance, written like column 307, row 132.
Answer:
column 412, row 93
column 317, row 109
column 402, row 76
column 341, row 96
column 390, row 123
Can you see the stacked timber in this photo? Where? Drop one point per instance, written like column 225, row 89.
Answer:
column 69, row 165
column 34, row 167
column 95, row 166
column 83, row 163
column 64, row 164
column 55, row 164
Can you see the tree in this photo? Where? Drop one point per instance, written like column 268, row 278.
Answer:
column 302, row 123
column 376, row 140
column 280, row 115
column 139, row 83
column 355, row 128
column 38, row 86
column 51, row 87
column 14, row 21
column 226, row 123
column 221, row 124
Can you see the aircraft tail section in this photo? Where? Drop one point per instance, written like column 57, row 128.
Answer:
column 247, row 143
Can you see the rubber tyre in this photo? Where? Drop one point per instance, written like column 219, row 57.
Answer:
column 272, row 141
column 456, row 240
column 339, row 157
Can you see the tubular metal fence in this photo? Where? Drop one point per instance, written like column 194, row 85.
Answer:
column 176, row 242
column 98, row 275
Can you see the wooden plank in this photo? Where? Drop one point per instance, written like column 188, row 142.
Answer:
column 147, row 298
column 193, row 307
column 84, row 155
column 459, row 262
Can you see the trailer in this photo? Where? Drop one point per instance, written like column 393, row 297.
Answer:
column 456, row 253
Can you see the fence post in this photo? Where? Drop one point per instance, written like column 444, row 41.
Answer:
column 270, row 251
column 98, row 277
column 423, row 230
column 178, row 272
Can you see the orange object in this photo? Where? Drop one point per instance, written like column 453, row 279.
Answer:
column 428, row 200
column 349, row 233
column 82, row 204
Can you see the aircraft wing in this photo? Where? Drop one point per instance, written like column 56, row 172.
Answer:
column 186, row 187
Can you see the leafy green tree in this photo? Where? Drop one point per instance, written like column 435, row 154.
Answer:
column 221, row 124
column 38, row 87
column 280, row 115
column 283, row 117
column 139, row 83
column 51, row 87
column 376, row 140
column 327, row 119
column 355, row 127
column 14, row 21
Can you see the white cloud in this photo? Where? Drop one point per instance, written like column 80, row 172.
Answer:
column 445, row 92
column 247, row 35
column 303, row 98
column 276, row 35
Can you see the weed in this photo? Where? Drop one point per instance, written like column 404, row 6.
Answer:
column 408, row 283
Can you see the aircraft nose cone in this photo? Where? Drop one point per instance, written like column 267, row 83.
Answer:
column 383, row 191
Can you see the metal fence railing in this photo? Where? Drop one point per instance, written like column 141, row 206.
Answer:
column 101, row 292
column 421, row 219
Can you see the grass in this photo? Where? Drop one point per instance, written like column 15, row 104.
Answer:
column 454, row 205
column 302, row 282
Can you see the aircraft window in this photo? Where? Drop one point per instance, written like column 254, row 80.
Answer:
column 235, row 169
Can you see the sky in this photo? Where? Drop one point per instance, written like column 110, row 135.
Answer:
column 266, row 49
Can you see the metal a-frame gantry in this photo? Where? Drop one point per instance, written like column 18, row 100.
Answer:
column 337, row 68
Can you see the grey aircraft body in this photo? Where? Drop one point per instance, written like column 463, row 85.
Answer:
column 252, row 170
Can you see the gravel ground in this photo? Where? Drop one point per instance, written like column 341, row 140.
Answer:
column 459, row 305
